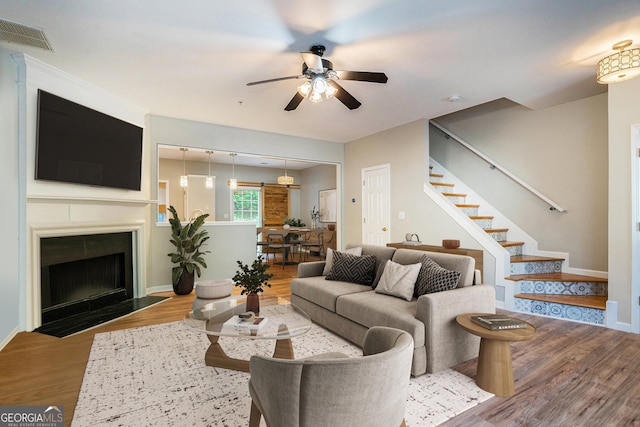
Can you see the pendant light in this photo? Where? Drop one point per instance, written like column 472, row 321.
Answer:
column 285, row 179
column 184, row 181
column 208, row 183
column 233, row 182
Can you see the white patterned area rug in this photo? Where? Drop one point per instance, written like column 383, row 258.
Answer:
column 156, row 376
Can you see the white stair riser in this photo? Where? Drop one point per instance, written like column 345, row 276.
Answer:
column 484, row 223
column 514, row 250
column 443, row 188
column 499, row 236
column 560, row 311
column 470, row 211
column 455, row 199
column 536, row 267
column 561, row 288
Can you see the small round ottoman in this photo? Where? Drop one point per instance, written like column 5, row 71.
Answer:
column 207, row 290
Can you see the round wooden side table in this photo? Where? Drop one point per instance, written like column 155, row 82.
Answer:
column 495, row 373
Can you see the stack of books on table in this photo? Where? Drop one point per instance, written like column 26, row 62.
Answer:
column 252, row 325
column 498, row 322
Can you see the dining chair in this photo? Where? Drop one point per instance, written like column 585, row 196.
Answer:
column 310, row 243
column 335, row 390
column 277, row 244
column 261, row 244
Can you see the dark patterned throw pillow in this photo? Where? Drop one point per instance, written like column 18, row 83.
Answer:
column 352, row 268
column 433, row 278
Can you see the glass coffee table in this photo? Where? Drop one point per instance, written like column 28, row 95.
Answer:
column 283, row 322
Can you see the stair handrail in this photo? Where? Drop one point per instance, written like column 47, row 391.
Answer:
column 494, row 165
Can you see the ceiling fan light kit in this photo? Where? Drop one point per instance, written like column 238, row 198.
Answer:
column 621, row 66
column 321, row 79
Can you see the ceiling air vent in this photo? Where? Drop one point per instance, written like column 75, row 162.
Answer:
column 13, row 32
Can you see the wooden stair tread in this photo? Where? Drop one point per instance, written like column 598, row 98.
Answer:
column 507, row 244
column 442, row 184
column 436, row 175
column 533, row 258
column 475, row 217
column 556, row 277
column 496, row 230
column 455, row 194
column 466, row 205
column 590, row 301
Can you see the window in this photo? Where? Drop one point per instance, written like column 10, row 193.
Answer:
column 246, row 205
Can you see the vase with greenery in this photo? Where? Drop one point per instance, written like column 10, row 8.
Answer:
column 315, row 216
column 252, row 279
column 188, row 239
column 293, row 222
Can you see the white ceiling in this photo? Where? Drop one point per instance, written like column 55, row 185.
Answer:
column 192, row 58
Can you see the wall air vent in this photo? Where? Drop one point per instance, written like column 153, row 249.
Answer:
column 13, row 32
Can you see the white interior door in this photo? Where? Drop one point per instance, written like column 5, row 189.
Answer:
column 376, row 205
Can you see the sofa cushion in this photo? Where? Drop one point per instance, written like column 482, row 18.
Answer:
column 462, row 263
column 357, row 250
column 324, row 292
column 373, row 309
column 352, row 268
column 382, row 253
column 433, row 278
column 399, row 280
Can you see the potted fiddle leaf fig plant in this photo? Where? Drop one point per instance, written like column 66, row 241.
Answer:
column 188, row 239
column 252, row 279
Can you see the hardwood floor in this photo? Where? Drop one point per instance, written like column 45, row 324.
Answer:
column 570, row 374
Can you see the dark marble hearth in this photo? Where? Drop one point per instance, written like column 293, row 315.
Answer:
column 79, row 322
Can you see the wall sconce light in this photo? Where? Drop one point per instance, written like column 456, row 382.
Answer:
column 184, row 181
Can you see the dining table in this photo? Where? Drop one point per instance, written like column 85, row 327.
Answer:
column 287, row 235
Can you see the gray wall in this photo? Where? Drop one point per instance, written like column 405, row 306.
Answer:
column 12, row 214
column 561, row 151
column 405, row 149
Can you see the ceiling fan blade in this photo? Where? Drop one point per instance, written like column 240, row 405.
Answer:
column 313, row 61
column 363, row 76
column 295, row 101
column 345, row 97
column 273, row 80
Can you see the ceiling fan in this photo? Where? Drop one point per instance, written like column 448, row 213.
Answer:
column 321, row 79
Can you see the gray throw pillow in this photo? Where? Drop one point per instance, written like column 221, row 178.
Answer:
column 352, row 268
column 379, row 272
column 433, row 278
column 329, row 258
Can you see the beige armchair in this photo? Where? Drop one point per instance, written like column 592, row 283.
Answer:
column 334, row 390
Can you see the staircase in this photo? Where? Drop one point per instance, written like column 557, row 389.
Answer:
column 540, row 285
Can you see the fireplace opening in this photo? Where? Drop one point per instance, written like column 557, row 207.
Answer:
column 80, row 274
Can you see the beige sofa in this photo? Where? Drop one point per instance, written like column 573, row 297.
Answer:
column 350, row 309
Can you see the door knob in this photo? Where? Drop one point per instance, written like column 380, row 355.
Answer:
column 384, row 228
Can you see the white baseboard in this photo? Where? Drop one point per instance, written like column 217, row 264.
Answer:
column 9, row 337
column 162, row 288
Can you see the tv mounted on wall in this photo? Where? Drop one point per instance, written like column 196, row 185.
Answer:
column 79, row 145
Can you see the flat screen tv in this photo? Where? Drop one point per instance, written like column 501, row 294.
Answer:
column 79, row 145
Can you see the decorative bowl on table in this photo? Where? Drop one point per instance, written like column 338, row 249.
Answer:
column 451, row 244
